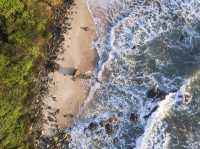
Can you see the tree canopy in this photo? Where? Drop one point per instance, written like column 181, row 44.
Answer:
column 23, row 33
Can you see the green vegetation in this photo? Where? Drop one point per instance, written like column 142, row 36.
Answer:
column 23, row 34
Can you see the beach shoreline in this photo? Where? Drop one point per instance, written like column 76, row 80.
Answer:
column 66, row 95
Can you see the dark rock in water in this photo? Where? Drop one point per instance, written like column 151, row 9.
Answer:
column 108, row 128
column 87, row 132
column 153, row 110
column 66, row 140
column 67, row 137
column 133, row 47
column 102, row 123
column 106, row 74
column 115, row 140
column 175, row 17
column 181, row 38
column 112, row 119
column 133, row 117
column 66, row 144
column 151, row 93
column 155, row 92
column 92, row 126
column 161, row 94
column 187, row 98
column 120, row 114
column 173, row 91
column 109, row 123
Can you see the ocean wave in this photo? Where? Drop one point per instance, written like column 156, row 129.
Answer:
column 145, row 91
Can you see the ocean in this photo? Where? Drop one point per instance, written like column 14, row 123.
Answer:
column 145, row 90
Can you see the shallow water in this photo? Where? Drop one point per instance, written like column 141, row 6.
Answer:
column 143, row 45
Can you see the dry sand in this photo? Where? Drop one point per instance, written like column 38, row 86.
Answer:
column 65, row 95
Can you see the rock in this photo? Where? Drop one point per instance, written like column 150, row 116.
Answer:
column 151, row 93
column 108, row 128
column 187, row 98
column 115, row 140
column 120, row 114
column 112, row 119
column 54, row 98
column 50, row 119
column 51, row 113
column 155, row 92
column 66, row 144
column 67, row 137
column 161, row 94
column 92, row 126
column 87, row 132
column 133, row 47
column 102, row 123
column 153, row 110
column 77, row 73
column 57, row 111
column 68, row 115
column 52, row 66
column 133, row 117
column 106, row 74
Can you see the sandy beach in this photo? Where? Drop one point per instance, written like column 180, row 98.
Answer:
column 66, row 95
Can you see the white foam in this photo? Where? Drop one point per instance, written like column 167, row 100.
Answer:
column 121, row 25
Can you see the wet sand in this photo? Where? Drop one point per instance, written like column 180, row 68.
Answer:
column 66, row 95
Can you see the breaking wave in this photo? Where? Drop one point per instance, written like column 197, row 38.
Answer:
column 145, row 89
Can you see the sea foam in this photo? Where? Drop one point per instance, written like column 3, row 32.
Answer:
column 142, row 44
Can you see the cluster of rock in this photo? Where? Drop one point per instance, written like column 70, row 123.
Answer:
column 60, row 140
column 58, row 27
column 107, row 126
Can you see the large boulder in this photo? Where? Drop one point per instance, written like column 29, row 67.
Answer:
column 155, row 92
